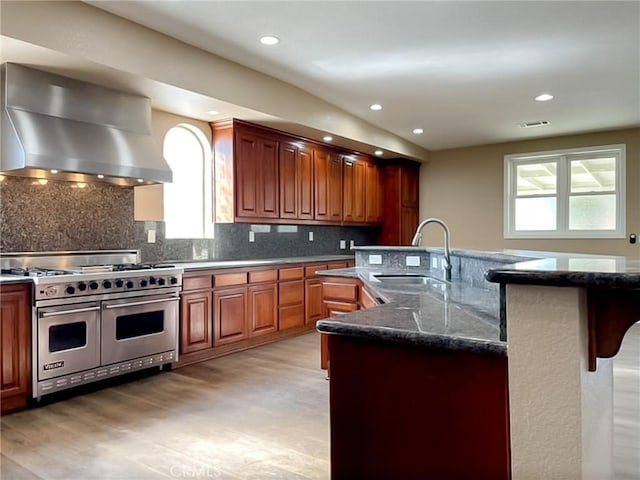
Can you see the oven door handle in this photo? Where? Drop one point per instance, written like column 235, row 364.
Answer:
column 68, row 312
column 144, row 302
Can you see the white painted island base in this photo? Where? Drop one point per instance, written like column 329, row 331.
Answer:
column 561, row 415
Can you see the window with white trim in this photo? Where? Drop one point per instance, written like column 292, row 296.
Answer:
column 187, row 200
column 575, row 193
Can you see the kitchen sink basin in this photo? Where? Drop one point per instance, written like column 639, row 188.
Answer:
column 409, row 279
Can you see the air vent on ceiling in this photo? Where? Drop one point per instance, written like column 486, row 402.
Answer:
column 540, row 123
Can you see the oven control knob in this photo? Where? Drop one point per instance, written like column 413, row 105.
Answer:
column 106, row 284
column 93, row 285
column 152, row 280
column 173, row 280
column 161, row 281
column 129, row 284
column 119, row 283
column 143, row 283
column 82, row 286
column 70, row 290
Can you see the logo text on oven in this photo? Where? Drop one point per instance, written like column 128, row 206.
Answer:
column 52, row 365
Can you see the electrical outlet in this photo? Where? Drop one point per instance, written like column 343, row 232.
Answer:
column 252, row 236
column 151, row 236
column 412, row 261
column 375, row 259
column 343, row 244
column 311, row 236
column 352, row 243
column 434, row 262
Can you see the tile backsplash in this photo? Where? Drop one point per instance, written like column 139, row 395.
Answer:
column 60, row 216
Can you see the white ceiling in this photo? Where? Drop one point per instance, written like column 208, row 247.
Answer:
column 465, row 72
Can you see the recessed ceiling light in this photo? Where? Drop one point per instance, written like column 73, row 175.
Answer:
column 269, row 40
column 418, row 131
column 140, row 180
column 378, row 152
column 213, row 112
column 100, row 176
column 327, row 138
column 54, row 171
column 376, row 106
column 545, row 97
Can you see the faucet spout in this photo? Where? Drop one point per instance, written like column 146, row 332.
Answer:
column 447, row 251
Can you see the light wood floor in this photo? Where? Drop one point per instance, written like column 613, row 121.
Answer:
column 262, row 413
column 257, row 414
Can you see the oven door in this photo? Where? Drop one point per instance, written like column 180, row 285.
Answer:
column 68, row 339
column 137, row 327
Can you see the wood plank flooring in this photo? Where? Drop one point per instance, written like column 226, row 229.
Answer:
column 262, row 413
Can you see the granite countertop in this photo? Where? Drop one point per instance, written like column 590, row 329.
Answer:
column 443, row 315
column 210, row 265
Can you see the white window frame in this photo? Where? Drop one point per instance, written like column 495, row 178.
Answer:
column 563, row 157
column 206, row 186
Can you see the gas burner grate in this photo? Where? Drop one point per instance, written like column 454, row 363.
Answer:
column 35, row 272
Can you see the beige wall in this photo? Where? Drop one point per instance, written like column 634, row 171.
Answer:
column 464, row 187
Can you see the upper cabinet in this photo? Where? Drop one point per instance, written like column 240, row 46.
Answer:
column 256, row 174
column 266, row 176
column 401, row 202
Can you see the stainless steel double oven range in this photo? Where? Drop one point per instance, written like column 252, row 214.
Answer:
column 96, row 315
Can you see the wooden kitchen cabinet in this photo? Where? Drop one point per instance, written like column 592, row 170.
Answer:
column 373, row 194
column 401, row 203
column 195, row 314
column 327, row 171
column 263, row 308
column 230, row 313
column 313, row 305
column 256, row 174
column 354, row 180
column 296, row 181
column 291, row 297
column 15, row 345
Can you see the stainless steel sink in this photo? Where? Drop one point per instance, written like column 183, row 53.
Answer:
column 409, row 279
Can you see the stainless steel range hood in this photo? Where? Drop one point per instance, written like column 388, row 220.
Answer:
column 82, row 131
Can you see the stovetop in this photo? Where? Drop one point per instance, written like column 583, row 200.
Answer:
column 80, row 274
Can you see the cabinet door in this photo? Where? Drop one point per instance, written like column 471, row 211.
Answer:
column 373, row 194
column 263, row 308
column 256, row 166
column 15, row 345
column 314, row 308
column 353, row 190
column 409, row 186
column 296, row 181
column 335, row 189
column 321, row 160
column 230, row 312
column 289, row 179
column 195, row 322
column 408, row 224
column 333, row 309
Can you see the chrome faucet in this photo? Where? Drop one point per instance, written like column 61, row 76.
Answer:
column 447, row 253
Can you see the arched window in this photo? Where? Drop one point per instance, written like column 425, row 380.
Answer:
column 187, row 201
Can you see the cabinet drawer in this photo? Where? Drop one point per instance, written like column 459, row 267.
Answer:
column 310, row 270
column 291, row 293
column 334, row 265
column 201, row 282
column 294, row 273
column 340, row 291
column 290, row 317
column 263, row 276
column 227, row 279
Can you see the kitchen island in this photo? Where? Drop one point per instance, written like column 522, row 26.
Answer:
column 429, row 370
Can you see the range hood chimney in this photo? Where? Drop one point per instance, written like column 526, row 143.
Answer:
column 80, row 130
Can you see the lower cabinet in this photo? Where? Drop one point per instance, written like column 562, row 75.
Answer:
column 230, row 313
column 291, row 297
column 195, row 314
column 263, row 308
column 15, row 345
